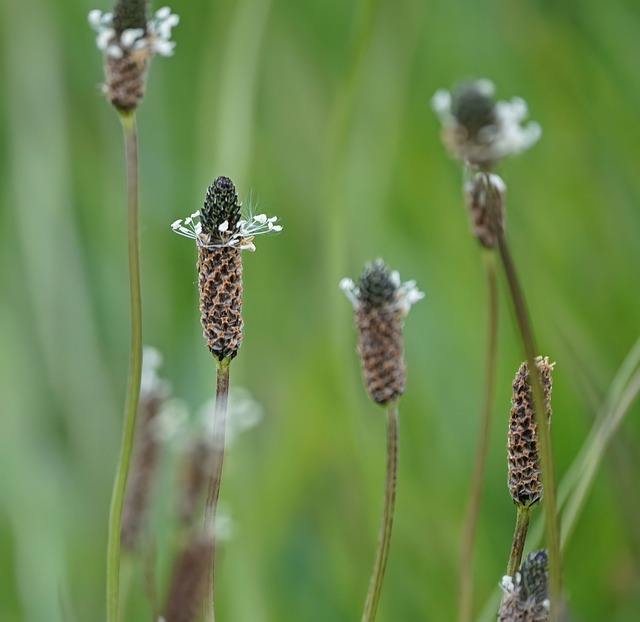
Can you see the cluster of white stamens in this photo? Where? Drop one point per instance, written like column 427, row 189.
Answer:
column 407, row 294
column 241, row 237
column 156, row 39
column 494, row 141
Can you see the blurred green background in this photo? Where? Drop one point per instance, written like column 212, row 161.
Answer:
column 320, row 112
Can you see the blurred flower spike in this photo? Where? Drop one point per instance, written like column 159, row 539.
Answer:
column 128, row 40
column 381, row 302
column 480, row 131
column 380, row 286
column 526, row 594
column 240, row 237
column 155, row 38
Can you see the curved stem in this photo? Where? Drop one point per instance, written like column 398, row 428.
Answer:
column 135, row 371
column 473, row 508
column 544, row 436
column 219, row 424
column 384, row 536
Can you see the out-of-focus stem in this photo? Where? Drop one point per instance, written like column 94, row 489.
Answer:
column 384, row 536
column 544, row 437
column 471, row 519
column 135, row 371
column 219, row 425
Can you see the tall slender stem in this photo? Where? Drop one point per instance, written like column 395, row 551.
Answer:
column 135, row 371
column 473, row 508
column 219, row 425
column 523, row 515
column 384, row 535
column 544, row 436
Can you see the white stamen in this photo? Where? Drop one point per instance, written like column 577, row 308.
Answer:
column 224, row 226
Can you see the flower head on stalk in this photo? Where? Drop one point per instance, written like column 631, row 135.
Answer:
column 526, row 594
column 220, row 234
column 525, row 484
column 128, row 40
column 381, row 301
column 477, row 129
column 219, row 224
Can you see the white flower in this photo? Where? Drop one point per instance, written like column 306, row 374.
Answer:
column 479, row 131
column 241, row 237
column 155, row 40
column 404, row 295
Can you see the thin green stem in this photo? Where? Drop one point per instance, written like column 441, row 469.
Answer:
column 471, row 519
column 544, row 435
column 593, row 457
column 384, row 535
column 135, row 371
column 219, row 425
column 523, row 515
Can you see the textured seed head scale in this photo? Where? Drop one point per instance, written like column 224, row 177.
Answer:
column 525, row 484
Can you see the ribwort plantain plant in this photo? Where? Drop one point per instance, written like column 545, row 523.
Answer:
column 128, row 39
column 221, row 234
column 381, row 302
column 480, row 132
column 524, row 472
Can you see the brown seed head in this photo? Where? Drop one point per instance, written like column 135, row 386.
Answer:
column 381, row 302
column 153, row 396
column 128, row 40
column 188, row 579
column 220, row 285
column 125, row 78
column 484, row 196
column 523, row 458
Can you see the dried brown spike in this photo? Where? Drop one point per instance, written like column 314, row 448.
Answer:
column 145, row 452
column 125, row 78
column 484, row 196
column 189, row 579
column 380, row 347
column 523, row 459
column 220, row 285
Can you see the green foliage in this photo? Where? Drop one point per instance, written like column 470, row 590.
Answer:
column 321, row 110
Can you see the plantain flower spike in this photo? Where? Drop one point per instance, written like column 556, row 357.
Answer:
column 480, row 131
column 128, row 39
column 221, row 233
column 381, row 302
column 523, row 458
column 526, row 594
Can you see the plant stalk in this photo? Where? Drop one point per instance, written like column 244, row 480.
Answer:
column 544, row 436
column 384, row 535
column 219, row 425
column 135, row 371
column 523, row 515
column 473, row 508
